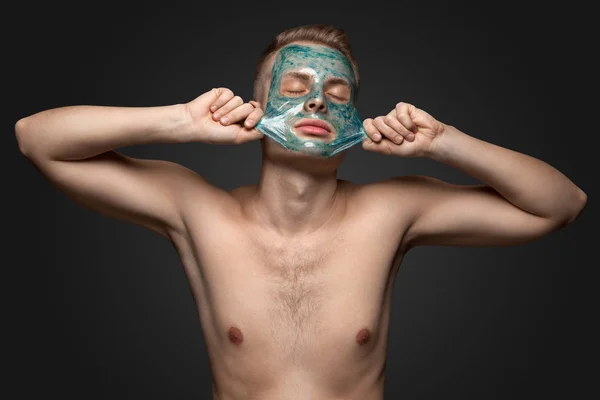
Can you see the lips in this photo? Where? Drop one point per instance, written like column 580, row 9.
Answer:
column 314, row 127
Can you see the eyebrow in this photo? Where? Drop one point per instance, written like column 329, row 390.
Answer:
column 298, row 75
column 337, row 81
column 307, row 77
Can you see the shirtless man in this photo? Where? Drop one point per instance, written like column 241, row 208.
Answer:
column 292, row 277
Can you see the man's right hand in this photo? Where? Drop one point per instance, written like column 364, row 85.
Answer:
column 220, row 117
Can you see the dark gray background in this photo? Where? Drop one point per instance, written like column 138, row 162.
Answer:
column 99, row 309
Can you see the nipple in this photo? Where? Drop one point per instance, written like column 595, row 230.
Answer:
column 235, row 335
column 363, row 336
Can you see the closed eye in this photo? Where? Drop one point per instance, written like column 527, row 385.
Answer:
column 339, row 99
column 293, row 93
column 338, row 89
column 295, row 84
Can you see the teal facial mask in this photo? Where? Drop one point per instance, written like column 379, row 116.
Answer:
column 312, row 76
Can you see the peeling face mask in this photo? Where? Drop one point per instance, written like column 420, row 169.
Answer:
column 310, row 105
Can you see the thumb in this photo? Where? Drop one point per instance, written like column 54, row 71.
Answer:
column 378, row 147
column 247, row 135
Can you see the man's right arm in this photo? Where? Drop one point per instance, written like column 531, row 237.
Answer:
column 74, row 148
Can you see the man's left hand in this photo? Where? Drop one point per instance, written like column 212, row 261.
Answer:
column 405, row 131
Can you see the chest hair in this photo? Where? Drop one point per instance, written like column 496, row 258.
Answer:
column 295, row 271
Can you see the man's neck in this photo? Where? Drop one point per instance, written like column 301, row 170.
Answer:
column 294, row 202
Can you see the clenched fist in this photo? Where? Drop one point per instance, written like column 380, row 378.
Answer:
column 220, row 117
column 405, row 131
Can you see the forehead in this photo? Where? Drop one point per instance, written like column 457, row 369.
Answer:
column 325, row 61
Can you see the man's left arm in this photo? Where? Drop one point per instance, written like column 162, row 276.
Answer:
column 522, row 198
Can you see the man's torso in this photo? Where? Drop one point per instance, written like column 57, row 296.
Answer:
column 294, row 318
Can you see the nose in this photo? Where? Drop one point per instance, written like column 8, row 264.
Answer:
column 315, row 104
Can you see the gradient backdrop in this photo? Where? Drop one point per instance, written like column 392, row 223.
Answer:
column 99, row 309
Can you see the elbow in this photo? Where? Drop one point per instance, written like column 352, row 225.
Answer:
column 579, row 205
column 28, row 140
column 576, row 206
column 569, row 213
column 23, row 137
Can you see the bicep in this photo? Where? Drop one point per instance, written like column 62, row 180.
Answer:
column 470, row 215
column 134, row 190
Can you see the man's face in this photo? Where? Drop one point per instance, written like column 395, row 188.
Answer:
column 310, row 103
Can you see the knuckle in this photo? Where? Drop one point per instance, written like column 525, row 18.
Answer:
column 227, row 91
column 238, row 99
column 240, row 112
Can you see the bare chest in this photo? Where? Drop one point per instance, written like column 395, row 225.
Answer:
column 290, row 287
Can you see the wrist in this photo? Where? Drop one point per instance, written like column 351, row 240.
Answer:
column 180, row 124
column 441, row 147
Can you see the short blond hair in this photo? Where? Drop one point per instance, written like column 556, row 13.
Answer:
column 323, row 34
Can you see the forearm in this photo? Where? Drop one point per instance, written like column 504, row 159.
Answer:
column 525, row 181
column 79, row 132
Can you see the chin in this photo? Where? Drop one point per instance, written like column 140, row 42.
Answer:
column 277, row 153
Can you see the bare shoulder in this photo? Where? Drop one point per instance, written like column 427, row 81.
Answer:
column 401, row 188
column 195, row 196
column 388, row 208
column 189, row 184
column 393, row 202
